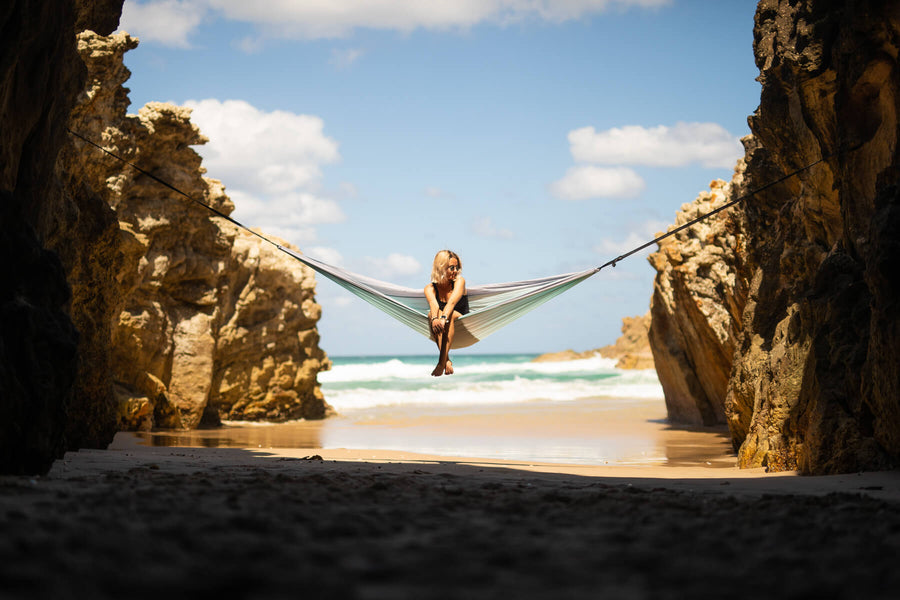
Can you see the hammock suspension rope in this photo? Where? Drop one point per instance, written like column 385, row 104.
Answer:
column 492, row 306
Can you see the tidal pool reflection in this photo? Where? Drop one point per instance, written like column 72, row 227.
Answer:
column 597, row 432
column 295, row 434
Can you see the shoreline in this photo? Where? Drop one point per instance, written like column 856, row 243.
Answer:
column 590, row 431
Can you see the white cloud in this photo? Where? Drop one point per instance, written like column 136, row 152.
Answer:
column 635, row 238
column 171, row 21
column 270, row 152
column 292, row 217
column 271, row 164
column 707, row 144
column 556, row 11
column 583, row 182
column 395, row 265
column 168, row 22
column 485, row 227
column 314, row 19
column 307, row 209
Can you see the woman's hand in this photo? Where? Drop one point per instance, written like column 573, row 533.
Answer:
column 437, row 325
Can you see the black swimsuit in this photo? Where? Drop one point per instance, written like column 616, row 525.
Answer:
column 462, row 306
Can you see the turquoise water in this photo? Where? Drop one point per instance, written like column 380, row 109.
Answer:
column 495, row 406
column 365, row 382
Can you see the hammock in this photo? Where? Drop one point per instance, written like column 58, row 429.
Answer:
column 490, row 306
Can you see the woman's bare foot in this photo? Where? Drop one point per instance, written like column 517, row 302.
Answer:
column 438, row 370
column 448, row 370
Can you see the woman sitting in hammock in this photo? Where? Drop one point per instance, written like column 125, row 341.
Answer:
column 447, row 301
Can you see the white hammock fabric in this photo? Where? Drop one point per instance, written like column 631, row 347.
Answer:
column 491, row 306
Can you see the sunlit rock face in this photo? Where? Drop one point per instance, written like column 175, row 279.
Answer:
column 212, row 322
column 267, row 352
column 813, row 381
column 697, row 301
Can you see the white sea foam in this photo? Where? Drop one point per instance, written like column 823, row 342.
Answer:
column 383, row 368
column 494, row 380
column 378, row 369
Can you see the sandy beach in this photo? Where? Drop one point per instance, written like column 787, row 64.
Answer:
column 161, row 212
column 591, row 431
column 140, row 520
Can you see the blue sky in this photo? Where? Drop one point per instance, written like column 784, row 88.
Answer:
column 533, row 137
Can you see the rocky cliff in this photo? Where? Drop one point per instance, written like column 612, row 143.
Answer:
column 698, row 298
column 207, row 323
column 42, row 355
column 212, row 322
column 808, row 330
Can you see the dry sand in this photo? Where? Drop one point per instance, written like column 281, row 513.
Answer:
column 138, row 521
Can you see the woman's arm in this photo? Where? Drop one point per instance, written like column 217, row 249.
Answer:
column 434, row 310
column 459, row 290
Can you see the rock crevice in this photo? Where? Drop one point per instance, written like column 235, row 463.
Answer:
column 812, row 380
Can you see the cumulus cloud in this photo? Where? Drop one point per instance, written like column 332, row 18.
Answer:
column 328, row 19
column 316, row 19
column 395, row 265
column 271, row 163
column 589, row 181
column 266, row 151
column 707, row 144
column 556, row 11
column 485, row 227
column 167, row 22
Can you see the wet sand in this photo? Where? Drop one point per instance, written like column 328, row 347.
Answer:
column 599, row 431
column 142, row 521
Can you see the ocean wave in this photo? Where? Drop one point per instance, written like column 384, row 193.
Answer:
column 360, row 383
column 393, row 368
column 381, row 369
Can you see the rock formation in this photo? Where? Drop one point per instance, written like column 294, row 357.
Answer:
column 813, row 380
column 213, row 322
column 207, row 322
column 696, row 307
column 632, row 349
column 42, row 355
column 267, row 352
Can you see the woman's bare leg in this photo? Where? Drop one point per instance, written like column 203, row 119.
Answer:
column 451, row 328
column 442, row 362
column 444, row 340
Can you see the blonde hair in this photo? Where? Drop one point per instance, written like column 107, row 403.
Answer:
column 439, row 266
